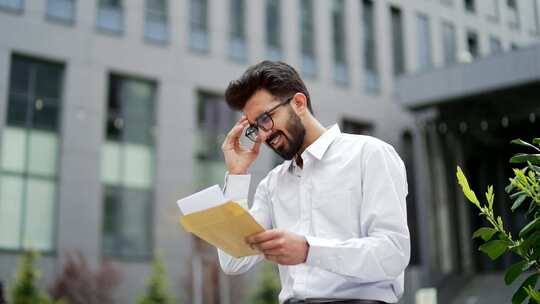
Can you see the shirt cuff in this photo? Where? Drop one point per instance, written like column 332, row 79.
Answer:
column 236, row 188
column 322, row 254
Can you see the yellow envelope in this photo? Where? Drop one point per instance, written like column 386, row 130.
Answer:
column 225, row 226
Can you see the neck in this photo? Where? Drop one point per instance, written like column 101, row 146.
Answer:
column 314, row 130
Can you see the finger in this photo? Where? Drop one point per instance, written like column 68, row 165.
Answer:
column 273, row 251
column 263, row 236
column 272, row 258
column 274, row 243
column 256, row 147
column 234, row 134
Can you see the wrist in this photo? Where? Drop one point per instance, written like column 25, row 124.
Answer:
column 238, row 172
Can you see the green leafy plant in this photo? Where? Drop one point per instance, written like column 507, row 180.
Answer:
column 156, row 290
column 269, row 288
column 524, row 191
column 24, row 289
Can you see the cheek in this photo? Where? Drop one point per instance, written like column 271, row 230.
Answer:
column 284, row 128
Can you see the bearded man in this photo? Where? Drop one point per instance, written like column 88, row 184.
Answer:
column 334, row 211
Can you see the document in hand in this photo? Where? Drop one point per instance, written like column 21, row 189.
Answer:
column 220, row 222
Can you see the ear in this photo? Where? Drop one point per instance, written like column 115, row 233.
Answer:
column 299, row 104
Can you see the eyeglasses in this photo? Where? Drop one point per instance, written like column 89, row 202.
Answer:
column 264, row 121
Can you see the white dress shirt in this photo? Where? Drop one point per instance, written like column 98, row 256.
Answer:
column 348, row 200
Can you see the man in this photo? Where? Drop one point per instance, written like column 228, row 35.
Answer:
column 334, row 211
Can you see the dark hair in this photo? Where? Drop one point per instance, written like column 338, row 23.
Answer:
column 277, row 77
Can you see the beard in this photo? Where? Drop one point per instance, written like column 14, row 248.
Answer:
column 291, row 145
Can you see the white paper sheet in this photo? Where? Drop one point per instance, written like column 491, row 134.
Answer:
column 202, row 200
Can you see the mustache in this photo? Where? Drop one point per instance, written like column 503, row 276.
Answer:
column 271, row 137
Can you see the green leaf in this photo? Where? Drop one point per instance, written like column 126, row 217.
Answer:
column 485, row 233
column 523, row 158
column 514, row 271
column 536, row 141
column 532, row 207
column 509, row 188
column 494, row 249
column 533, row 294
column 535, row 169
column 514, row 195
column 490, row 196
column 462, row 180
column 499, row 221
column 518, row 202
column 524, row 143
column 530, row 242
column 530, row 227
column 521, row 294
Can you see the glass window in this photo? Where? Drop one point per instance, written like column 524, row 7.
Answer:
column 425, row 57
column 370, row 47
column 534, row 21
column 214, row 119
column 473, row 46
column 16, row 5
column 470, row 6
column 492, row 9
column 341, row 74
column 29, row 159
column 40, row 197
column 495, row 45
column 110, row 16
column 273, row 29
column 356, row 127
column 398, row 44
column 513, row 13
column 156, row 24
column 127, row 168
column 198, row 26
column 449, row 43
column 237, row 43
column 11, row 210
column 63, row 10
column 447, row 2
column 307, row 38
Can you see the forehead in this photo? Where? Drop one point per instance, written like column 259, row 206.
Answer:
column 258, row 103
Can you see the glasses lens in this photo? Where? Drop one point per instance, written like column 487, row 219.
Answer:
column 251, row 133
column 265, row 122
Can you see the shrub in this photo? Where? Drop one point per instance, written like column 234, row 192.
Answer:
column 78, row 284
column 156, row 289
column 24, row 289
column 268, row 291
column 524, row 190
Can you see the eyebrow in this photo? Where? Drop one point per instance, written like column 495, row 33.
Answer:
column 265, row 111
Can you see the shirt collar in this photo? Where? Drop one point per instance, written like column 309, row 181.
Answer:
column 320, row 145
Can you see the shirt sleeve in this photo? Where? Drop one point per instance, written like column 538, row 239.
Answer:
column 236, row 188
column 384, row 252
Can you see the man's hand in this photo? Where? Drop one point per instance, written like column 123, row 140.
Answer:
column 281, row 246
column 237, row 158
